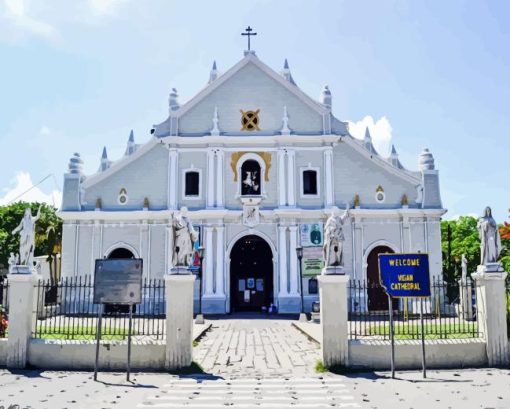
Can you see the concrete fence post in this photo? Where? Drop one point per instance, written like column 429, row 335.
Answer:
column 334, row 319
column 179, row 320
column 22, row 319
column 491, row 314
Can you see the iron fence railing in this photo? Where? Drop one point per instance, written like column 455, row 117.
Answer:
column 65, row 310
column 449, row 313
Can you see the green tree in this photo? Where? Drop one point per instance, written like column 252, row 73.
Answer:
column 463, row 240
column 10, row 217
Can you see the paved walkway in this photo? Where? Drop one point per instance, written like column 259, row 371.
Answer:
column 240, row 347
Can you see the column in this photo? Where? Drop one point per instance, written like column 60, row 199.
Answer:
column 328, row 179
column 219, row 177
column 220, row 257
column 172, row 179
column 335, row 344
column 282, row 260
column 210, row 178
column 491, row 314
column 179, row 320
column 281, row 178
column 22, row 320
column 293, row 261
column 291, row 178
column 209, row 259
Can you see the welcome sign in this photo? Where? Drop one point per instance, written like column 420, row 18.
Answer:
column 405, row 275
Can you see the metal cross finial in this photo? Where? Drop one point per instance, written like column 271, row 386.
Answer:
column 249, row 34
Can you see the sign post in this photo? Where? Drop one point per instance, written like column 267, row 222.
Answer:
column 117, row 281
column 405, row 275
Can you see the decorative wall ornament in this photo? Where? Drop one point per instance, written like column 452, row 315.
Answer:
column 251, row 215
column 123, row 197
column 250, row 120
column 404, row 201
column 215, row 131
column 99, row 204
column 146, row 203
column 285, row 120
column 380, row 196
column 266, row 157
column 356, row 201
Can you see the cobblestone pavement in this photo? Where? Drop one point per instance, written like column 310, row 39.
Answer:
column 256, row 347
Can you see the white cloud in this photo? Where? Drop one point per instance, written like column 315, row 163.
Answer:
column 104, row 7
column 380, row 131
column 17, row 13
column 22, row 189
column 44, row 130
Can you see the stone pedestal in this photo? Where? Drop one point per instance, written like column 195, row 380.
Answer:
column 22, row 320
column 333, row 319
column 333, row 270
column 491, row 314
column 180, row 270
column 466, row 300
column 179, row 320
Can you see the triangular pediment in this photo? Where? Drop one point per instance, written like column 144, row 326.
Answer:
column 250, row 85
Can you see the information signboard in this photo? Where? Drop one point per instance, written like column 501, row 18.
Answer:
column 118, row 281
column 405, row 275
column 311, row 234
column 312, row 261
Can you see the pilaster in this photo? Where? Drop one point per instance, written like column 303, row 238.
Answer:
column 210, row 178
column 281, row 178
column 172, row 178
column 291, row 178
column 328, row 179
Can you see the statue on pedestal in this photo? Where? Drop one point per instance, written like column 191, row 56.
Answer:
column 184, row 237
column 334, row 238
column 490, row 246
column 26, row 230
column 464, row 268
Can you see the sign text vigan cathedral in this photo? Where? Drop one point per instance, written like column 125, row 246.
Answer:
column 259, row 166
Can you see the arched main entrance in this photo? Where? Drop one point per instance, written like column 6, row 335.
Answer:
column 377, row 298
column 251, row 274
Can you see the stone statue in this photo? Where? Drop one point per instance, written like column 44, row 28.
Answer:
column 13, row 260
column 464, row 268
column 333, row 238
column 26, row 230
column 184, row 237
column 490, row 245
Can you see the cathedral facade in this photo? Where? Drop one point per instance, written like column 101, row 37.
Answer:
column 259, row 165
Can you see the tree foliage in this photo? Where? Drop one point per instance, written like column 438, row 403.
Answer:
column 464, row 239
column 10, row 217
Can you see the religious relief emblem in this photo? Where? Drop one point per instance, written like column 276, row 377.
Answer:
column 250, row 120
column 251, row 216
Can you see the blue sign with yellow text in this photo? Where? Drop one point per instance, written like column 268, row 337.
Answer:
column 405, row 275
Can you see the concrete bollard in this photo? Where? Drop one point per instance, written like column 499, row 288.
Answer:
column 491, row 314
column 22, row 320
column 179, row 320
column 334, row 319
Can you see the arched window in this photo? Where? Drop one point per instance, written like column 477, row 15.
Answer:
column 121, row 252
column 192, row 184
column 251, row 178
column 310, row 187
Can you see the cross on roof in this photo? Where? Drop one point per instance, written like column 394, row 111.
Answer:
column 249, row 34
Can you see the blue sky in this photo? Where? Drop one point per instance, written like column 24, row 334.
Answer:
column 75, row 76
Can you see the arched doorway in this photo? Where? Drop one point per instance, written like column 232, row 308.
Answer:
column 251, row 274
column 122, row 253
column 377, row 298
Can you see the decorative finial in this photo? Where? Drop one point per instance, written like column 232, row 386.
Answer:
column 286, row 72
column 285, row 128
column 368, row 137
column 394, row 158
column 146, row 203
column 214, row 73
column 105, row 163
column 326, row 98
column 404, row 201
column 99, row 203
column 367, row 142
column 130, row 148
column 75, row 165
column 356, row 201
column 215, row 131
column 426, row 160
column 173, row 102
column 249, row 34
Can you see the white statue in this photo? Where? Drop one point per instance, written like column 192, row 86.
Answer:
column 13, row 260
column 26, row 230
column 490, row 245
column 184, row 237
column 333, row 238
column 464, row 268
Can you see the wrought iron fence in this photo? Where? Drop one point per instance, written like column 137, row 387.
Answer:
column 449, row 313
column 65, row 310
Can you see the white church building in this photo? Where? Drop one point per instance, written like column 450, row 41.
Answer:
column 259, row 165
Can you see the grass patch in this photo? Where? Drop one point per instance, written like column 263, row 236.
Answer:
column 195, row 343
column 336, row 369
column 320, row 368
column 432, row 331
column 83, row 333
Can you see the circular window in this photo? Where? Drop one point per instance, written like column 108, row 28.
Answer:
column 380, row 197
column 122, row 199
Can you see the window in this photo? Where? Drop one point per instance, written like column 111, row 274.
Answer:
column 310, row 182
column 250, row 178
column 192, row 184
